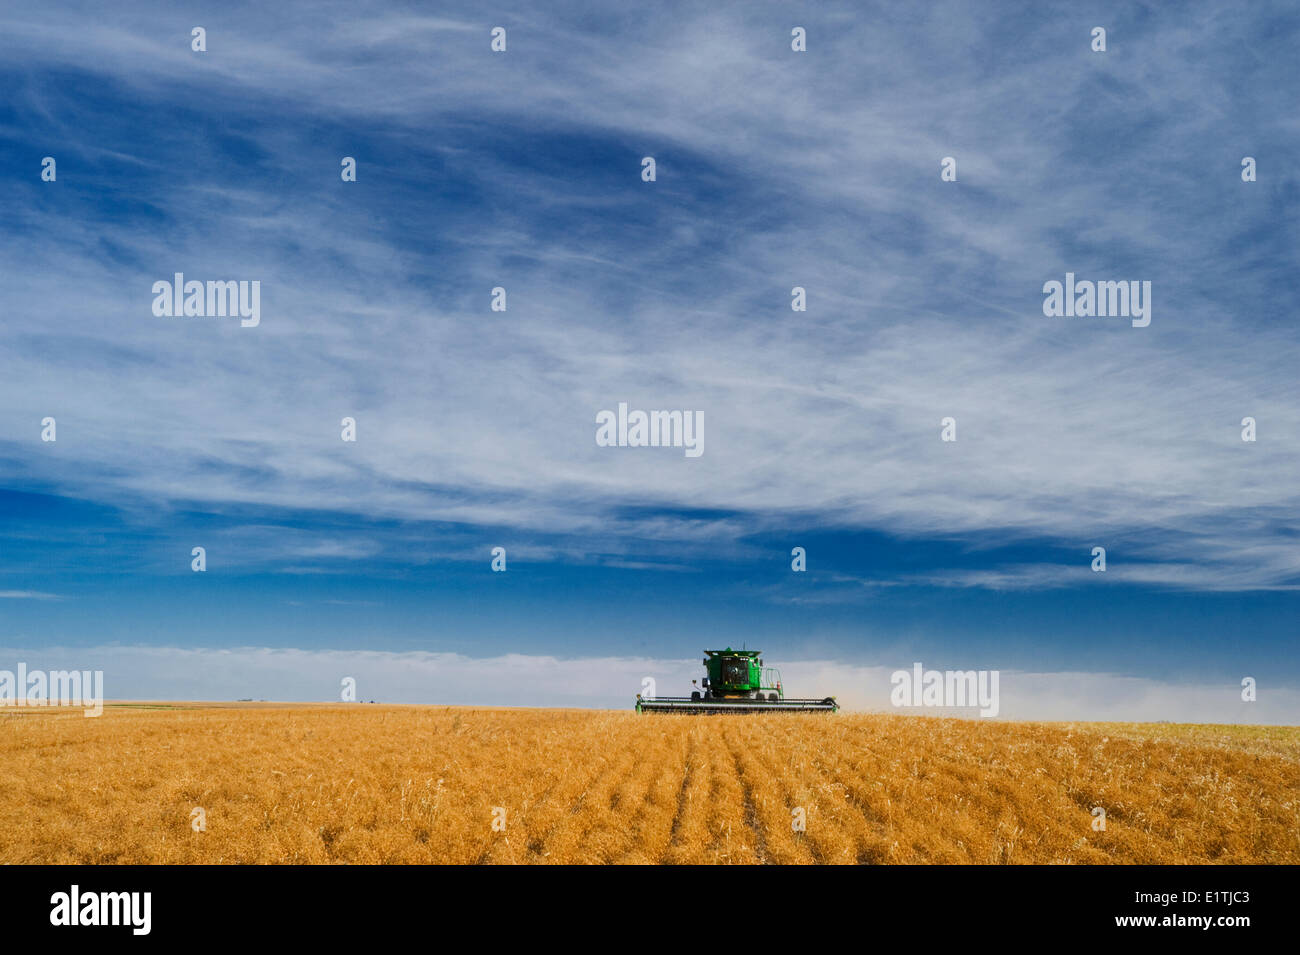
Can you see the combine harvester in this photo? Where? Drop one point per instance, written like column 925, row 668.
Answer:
column 737, row 682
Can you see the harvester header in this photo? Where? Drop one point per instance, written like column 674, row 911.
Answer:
column 736, row 682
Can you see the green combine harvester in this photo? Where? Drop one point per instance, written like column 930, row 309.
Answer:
column 737, row 682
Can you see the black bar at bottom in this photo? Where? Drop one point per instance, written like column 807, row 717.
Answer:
column 339, row 904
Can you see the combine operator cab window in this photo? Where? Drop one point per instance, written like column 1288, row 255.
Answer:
column 735, row 671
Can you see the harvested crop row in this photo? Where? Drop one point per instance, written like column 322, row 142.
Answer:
column 389, row 784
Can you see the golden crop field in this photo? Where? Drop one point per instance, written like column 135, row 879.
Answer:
column 398, row 784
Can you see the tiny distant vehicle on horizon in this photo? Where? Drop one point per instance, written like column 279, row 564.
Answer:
column 736, row 682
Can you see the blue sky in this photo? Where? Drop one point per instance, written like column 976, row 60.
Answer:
column 476, row 428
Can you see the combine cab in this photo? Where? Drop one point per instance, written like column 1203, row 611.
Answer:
column 737, row 682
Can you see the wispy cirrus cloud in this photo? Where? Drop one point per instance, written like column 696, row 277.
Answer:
column 521, row 170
